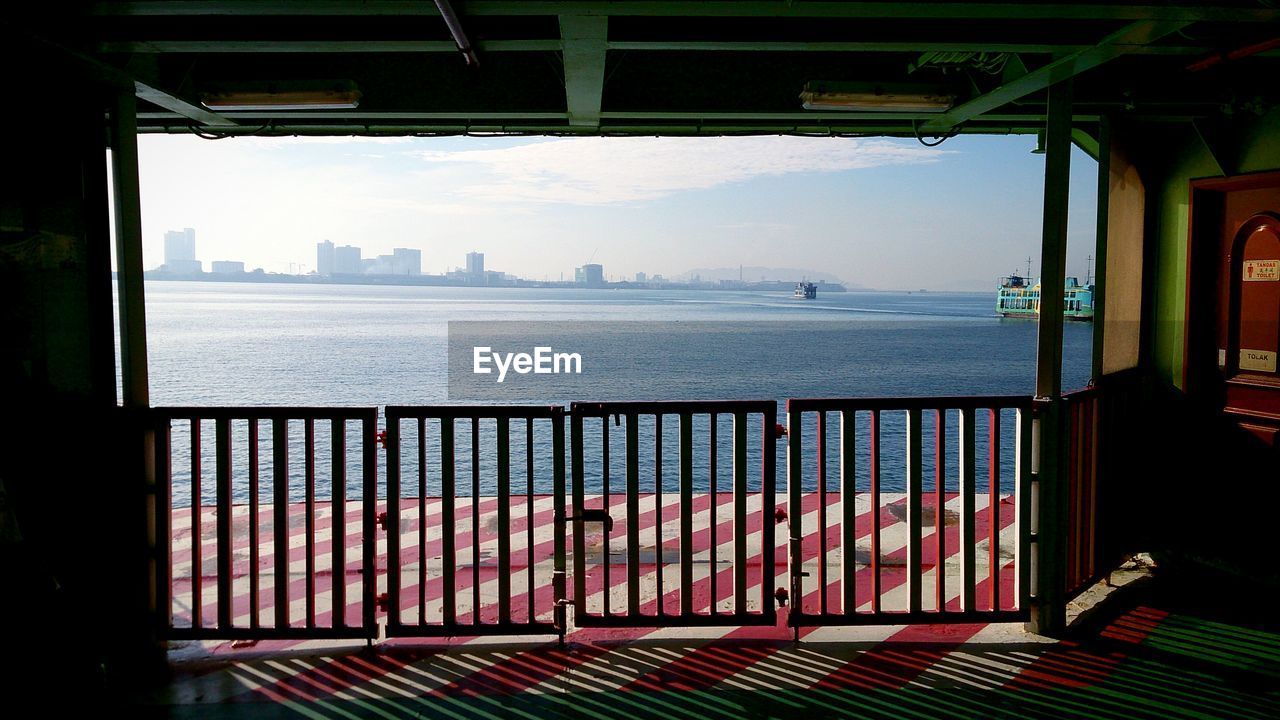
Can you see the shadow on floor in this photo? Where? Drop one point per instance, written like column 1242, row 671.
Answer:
column 1156, row 648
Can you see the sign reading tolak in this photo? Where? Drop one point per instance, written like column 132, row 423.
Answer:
column 1258, row 360
column 1262, row 271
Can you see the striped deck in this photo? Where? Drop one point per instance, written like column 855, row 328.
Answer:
column 476, row 562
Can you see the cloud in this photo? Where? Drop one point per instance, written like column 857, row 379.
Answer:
column 604, row 170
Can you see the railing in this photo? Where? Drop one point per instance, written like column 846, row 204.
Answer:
column 724, row 570
column 273, row 563
column 882, row 505
column 1081, row 416
column 473, row 522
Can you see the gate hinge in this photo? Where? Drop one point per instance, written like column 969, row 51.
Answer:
column 382, row 521
column 383, row 602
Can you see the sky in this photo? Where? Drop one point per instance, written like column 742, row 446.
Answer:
column 875, row 212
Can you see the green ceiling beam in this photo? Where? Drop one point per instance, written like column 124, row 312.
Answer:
column 586, row 41
column 1063, row 68
column 708, row 8
column 144, row 47
column 321, row 46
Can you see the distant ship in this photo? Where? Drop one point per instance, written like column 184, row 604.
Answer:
column 1018, row 298
column 805, row 291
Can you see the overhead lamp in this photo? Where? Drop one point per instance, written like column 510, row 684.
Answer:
column 876, row 97
column 293, row 95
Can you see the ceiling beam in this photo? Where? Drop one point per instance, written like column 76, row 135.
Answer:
column 585, row 45
column 171, row 102
column 707, row 8
column 144, row 47
column 1063, row 68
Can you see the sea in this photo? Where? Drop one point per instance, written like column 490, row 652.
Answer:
column 262, row 344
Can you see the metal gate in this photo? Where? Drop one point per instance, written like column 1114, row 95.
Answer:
column 859, row 550
column 259, row 549
column 688, row 565
column 470, row 555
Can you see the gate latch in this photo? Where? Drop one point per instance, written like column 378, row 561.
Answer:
column 599, row 515
column 781, row 596
column 382, row 521
column 383, row 602
column 381, row 438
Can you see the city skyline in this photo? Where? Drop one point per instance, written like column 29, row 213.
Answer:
column 882, row 214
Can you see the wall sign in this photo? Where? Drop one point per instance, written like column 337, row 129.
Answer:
column 1261, row 271
column 1258, row 360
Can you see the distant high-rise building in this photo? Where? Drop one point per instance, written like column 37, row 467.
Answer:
column 475, row 264
column 346, row 260
column 180, row 252
column 407, row 261
column 593, row 274
column 324, row 258
column 641, row 277
column 225, row 267
column 579, row 277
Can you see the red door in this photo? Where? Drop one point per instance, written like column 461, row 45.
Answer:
column 1237, row 234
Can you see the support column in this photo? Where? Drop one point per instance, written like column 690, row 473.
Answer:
column 1100, row 246
column 1048, row 611
column 137, row 505
column 133, row 319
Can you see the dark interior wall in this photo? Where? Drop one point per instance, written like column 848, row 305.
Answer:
column 1192, row 488
column 66, row 512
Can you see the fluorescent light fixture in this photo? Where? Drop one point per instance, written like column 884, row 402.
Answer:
column 309, row 95
column 876, row 97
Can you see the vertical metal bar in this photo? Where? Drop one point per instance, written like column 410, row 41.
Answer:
column 280, row 517
column 475, row 520
column 395, row 579
column 714, row 510
column 740, row 528
column 528, row 524
column 1071, row 412
column 1022, row 499
column 820, row 447
column 633, row 515
column 686, row 514
column 968, row 491
column 768, row 498
column 660, row 539
column 939, row 509
column 875, row 511
column 448, row 525
column 422, row 520
column 1049, row 613
column 915, row 492
column 309, row 442
column 164, row 523
column 557, row 499
column 338, row 519
column 848, row 512
column 222, row 470
column 795, row 512
column 255, row 598
column 197, row 531
column 579, row 501
column 504, row 520
column 369, row 510
column 993, row 501
column 607, row 553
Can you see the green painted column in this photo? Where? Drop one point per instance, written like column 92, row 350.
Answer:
column 1048, row 611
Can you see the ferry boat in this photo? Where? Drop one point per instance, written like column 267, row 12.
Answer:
column 805, row 291
column 1017, row 297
